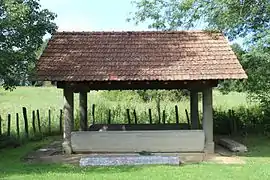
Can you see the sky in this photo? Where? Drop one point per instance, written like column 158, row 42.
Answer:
column 92, row 15
column 95, row 15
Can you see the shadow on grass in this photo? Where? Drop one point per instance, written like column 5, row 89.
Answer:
column 12, row 165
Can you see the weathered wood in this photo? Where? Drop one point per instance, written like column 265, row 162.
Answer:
column 176, row 115
column 93, row 113
column 137, row 141
column 83, row 111
column 109, row 116
column 136, row 85
column 8, row 124
column 61, row 121
column 235, row 129
column 49, row 122
column 68, row 119
column 17, row 126
column 158, row 110
column 0, row 125
column 150, row 116
column 34, row 122
column 135, row 117
column 164, row 117
column 128, row 116
column 188, row 120
column 26, row 130
column 232, row 145
column 194, row 113
column 38, row 122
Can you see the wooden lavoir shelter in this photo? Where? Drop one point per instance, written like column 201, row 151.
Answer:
column 83, row 61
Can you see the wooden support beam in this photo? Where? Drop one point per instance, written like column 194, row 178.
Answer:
column 83, row 111
column 68, row 119
column 135, row 85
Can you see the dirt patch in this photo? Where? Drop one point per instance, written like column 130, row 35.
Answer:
column 53, row 153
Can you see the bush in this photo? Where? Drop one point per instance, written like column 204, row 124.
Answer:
column 8, row 141
column 244, row 120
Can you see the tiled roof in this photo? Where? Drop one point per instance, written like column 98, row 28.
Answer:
column 148, row 55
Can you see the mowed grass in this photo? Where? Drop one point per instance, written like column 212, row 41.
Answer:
column 45, row 98
column 257, row 167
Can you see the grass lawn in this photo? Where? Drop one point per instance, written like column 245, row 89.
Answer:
column 257, row 167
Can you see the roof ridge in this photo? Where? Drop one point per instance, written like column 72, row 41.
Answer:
column 137, row 32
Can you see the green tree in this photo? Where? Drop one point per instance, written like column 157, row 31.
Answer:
column 23, row 24
column 247, row 19
column 236, row 18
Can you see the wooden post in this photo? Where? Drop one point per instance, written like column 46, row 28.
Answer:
column 164, row 117
column 38, row 121
column 0, row 125
column 83, row 111
column 61, row 121
column 208, row 120
column 68, row 119
column 235, row 126
column 109, row 117
column 150, row 116
column 128, row 116
column 25, row 122
column 158, row 110
column 135, row 117
column 50, row 122
column 194, row 114
column 93, row 113
column 176, row 114
column 34, row 122
column 8, row 126
column 188, row 120
column 17, row 126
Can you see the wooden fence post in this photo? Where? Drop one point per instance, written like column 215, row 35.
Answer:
column 93, row 113
column 188, row 120
column 109, row 117
column 0, row 125
column 38, row 121
column 176, row 114
column 164, row 117
column 8, row 126
column 34, row 122
column 128, row 116
column 150, row 116
column 61, row 121
column 135, row 117
column 158, row 110
column 18, row 125
column 25, row 122
column 50, row 122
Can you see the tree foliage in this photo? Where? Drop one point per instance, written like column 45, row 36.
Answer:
column 247, row 19
column 23, row 25
column 236, row 18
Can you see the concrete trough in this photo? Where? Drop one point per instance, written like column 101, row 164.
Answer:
column 137, row 141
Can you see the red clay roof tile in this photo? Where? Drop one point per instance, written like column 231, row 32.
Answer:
column 102, row 56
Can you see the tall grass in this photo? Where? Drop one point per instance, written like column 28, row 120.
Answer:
column 45, row 98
